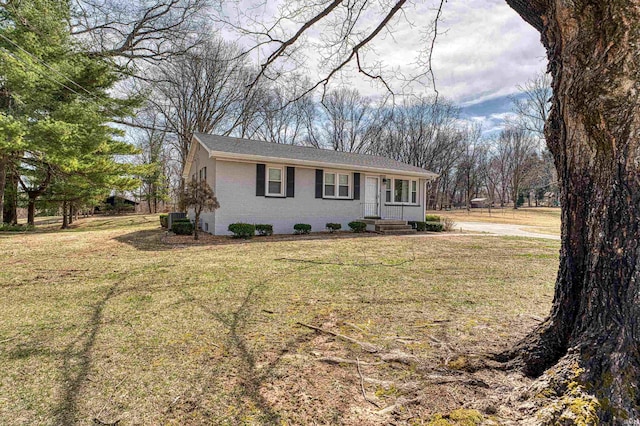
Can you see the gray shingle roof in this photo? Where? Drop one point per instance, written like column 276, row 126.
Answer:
column 246, row 147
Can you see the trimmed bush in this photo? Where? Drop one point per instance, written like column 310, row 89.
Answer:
column 164, row 220
column 357, row 226
column 264, row 229
column 182, row 228
column 301, row 228
column 413, row 224
column 421, row 226
column 432, row 218
column 332, row 227
column 242, row 230
column 433, row 226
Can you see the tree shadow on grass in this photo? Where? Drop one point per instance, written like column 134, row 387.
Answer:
column 77, row 361
column 146, row 240
column 252, row 378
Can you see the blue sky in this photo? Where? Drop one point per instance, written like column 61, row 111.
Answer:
column 483, row 51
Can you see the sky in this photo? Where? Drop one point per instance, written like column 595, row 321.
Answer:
column 483, row 52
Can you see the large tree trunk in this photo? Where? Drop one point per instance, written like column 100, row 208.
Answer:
column 594, row 134
column 31, row 209
column 10, row 208
column 65, row 221
column 4, row 163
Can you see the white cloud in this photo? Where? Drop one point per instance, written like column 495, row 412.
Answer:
column 484, row 50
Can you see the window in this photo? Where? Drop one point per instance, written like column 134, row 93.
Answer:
column 274, row 181
column 414, row 192
column 337, row 185
column 329, row 184
column 343, row 186
column 203, row 173
column 402, row 191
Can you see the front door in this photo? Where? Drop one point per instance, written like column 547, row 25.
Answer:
column 372, row 197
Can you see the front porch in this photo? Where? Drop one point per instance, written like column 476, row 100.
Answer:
column 389, row 226
column 387, row 211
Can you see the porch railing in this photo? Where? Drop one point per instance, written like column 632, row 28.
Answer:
column 371, row 210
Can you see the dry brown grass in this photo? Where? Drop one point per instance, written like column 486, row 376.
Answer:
column 545, row 220
column 106, row 322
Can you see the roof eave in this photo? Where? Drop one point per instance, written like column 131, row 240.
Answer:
column 192, row 152
column 261, row 158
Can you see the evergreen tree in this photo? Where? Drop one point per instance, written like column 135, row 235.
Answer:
column 60, row 97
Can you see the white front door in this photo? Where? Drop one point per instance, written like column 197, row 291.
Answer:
column 372, row 197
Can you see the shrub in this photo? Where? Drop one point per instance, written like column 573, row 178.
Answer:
column 5, row 227
column 448, row 224
column 181, row 220
column 302, row 228
column 264, row 229
column 357, row 226
column 421, row 226
column 432, row 218
column 164, row 220
column 182, row 228
column 433, row 226
column 332, row 227
column 413, row 223
column 242, row 230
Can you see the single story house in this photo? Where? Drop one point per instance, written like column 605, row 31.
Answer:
column 479, row 203
column 281, row 185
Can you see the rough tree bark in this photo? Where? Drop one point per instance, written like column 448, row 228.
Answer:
column 10, row 208
column 65, row 221
column 4, row 160
column 593, row 131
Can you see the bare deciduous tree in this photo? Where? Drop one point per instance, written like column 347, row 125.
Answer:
column 201, row 91
column 344, row 121
column 143, row 30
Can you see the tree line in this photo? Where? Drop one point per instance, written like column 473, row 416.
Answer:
column 212, row 89
column 101, row 99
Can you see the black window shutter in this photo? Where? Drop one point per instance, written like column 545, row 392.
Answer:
column 356, row 186
column 291, row 181
column 319, row 177
column 260, row 176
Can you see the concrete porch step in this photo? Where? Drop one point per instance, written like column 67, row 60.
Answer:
column 399, row 231
column 394, row 227
column 383, row 221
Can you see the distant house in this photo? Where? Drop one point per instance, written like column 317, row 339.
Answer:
column 115, row 200
column 261, row 182
column 479, row 203
column 117, row 204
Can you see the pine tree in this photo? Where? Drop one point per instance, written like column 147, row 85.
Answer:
column 60, row 98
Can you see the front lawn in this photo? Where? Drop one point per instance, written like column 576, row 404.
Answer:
column 105, row 323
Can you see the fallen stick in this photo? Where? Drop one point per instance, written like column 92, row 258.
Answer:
column 9, row 339
column 336, row 360
column 366, row 346
column 320, row 262
column 364, row 394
